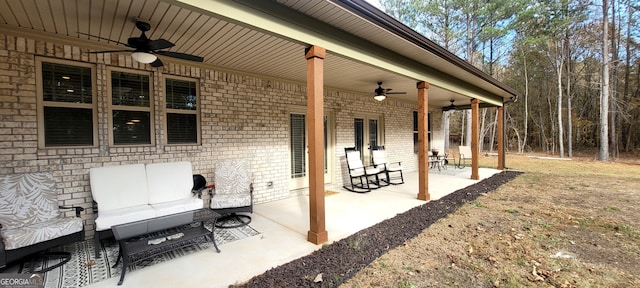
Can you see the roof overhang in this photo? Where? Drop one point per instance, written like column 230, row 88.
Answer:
column 267, row 38
column 288, row 23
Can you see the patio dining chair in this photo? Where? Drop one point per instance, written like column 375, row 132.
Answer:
column 465, row 154
column 362, row 178
column 392, row 170
column 232, row 193
column 31, row 222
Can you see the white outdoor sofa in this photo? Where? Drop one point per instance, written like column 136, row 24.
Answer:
column 128, row 193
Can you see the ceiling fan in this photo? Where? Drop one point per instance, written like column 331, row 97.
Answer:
column 146, row 50
column 450, row 107
column 381, row 93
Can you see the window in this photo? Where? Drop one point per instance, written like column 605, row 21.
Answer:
column 66, row 105
column 415, row 130
column 298, row 145
column 182, row 111
column 131, row 113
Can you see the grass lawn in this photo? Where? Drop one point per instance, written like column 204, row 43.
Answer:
column 564, row 223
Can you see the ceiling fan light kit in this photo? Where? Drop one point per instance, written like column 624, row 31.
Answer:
column 143, row 57
column 381, row 93
column 379, row 97
column 450, row 107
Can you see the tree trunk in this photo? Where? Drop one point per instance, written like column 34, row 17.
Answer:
column 614, row 113
column 467, row 139
column 445, row 123
column 494, row 127
column 603, row 153
column 526, row 106
column 626, row 94
column 560, row 131
column 569, row 112
column 483, row 130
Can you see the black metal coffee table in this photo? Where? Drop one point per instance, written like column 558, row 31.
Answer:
column 146, row 238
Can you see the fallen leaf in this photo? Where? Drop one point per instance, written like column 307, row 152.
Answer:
column 318, row 278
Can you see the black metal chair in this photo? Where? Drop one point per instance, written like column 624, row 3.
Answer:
column 232, row 193
column 392, row 170
column 31, row 222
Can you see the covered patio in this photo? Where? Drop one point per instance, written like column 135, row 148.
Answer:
column 283, row 229
column 272, row 73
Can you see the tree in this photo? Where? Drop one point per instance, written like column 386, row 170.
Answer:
column 603, row 153
column 580, row 87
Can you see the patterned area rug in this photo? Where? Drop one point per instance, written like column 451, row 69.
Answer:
column 79, row 272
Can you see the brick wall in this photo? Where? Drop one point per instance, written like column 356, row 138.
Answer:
column 241, row 117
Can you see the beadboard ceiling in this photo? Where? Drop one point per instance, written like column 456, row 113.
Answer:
column 228, row 44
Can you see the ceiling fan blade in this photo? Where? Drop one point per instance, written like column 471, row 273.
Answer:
column 396, row 93
column 110, row 51
column 180, row 56
column 159, row 44
column 157, row 63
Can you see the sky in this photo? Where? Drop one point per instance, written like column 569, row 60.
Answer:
column 375, row 3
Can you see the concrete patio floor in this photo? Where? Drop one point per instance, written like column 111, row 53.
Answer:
column 283, row 227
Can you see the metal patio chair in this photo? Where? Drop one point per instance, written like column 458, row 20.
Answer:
column 31, row 222
column 232, row 193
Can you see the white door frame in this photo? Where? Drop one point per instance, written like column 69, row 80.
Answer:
column 302, row 181
column 365, row 147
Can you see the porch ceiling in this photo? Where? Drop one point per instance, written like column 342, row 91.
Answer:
column 360, row 52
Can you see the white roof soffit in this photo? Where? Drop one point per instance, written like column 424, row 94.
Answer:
column 287, row 23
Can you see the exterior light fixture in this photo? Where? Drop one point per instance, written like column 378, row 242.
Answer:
column 143, row 57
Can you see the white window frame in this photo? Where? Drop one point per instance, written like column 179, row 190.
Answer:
column 366, row 153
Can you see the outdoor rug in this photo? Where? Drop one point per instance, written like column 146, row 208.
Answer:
column 84, row 269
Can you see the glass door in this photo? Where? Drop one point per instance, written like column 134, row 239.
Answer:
column 299, row 150
column 367, row 133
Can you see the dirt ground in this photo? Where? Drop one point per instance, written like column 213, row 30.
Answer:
column 562, row 223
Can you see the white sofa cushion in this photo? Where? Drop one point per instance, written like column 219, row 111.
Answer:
column 166, row 208
column 116, row 187
column 169, row 182
column 108, row 218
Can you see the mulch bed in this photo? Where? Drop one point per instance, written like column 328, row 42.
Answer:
column 341, row 260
